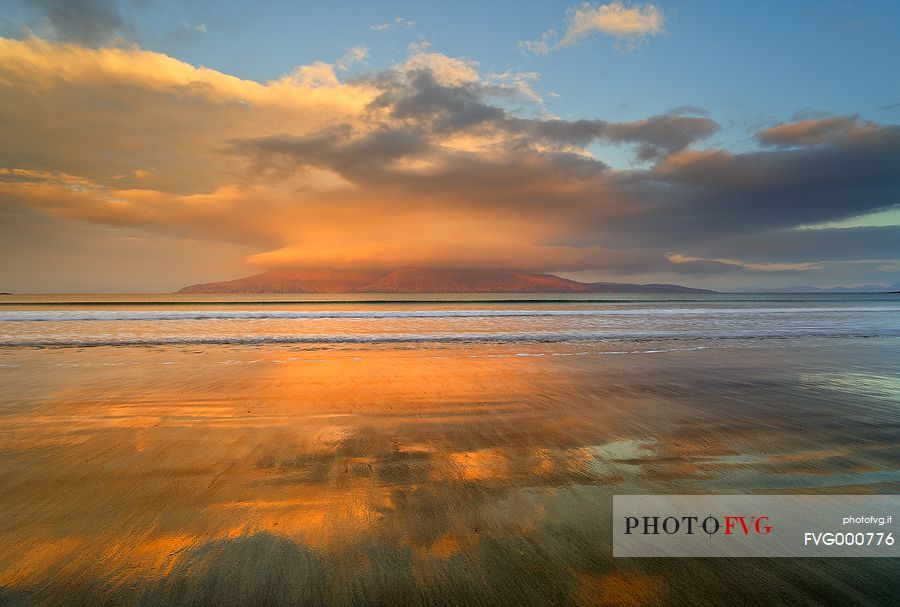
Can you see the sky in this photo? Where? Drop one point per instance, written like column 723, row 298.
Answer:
column 147, row 145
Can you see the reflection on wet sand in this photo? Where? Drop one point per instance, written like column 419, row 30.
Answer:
column 448, row 475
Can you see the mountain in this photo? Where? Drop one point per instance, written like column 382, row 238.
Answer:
column 421, row 280
column 804, row 289
column 306, row 280
column 624, row 287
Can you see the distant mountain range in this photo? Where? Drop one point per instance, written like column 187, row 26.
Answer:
column 421, row 280
column 804, row 289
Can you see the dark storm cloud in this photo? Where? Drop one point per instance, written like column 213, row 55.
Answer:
column 706, row 195
column 338, row 149
column 660, row 135
column 655, row 136
column 808, row 245
column 420, row 96
column 822, row 169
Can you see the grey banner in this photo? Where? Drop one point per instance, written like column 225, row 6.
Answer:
column 756, row 525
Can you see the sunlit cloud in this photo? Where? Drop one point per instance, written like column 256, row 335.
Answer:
column 428, row 163
column 629, row 25
column 817, row 131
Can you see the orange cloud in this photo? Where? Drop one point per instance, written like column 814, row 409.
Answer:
column 422, row 164
column 820, row 130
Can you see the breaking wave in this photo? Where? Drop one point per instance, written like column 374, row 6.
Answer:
column 439, row 338
column 130, row 315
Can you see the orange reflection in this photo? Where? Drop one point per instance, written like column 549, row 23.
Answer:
column 468, row 464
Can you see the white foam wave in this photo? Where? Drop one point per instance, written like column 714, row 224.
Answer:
column 138, row 315
column 439, row 338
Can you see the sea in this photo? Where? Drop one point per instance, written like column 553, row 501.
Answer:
column 411, row 449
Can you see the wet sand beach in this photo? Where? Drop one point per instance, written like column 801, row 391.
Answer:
column 439, row 473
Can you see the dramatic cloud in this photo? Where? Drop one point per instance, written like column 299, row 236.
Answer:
column 755, row 191
column 422, row 164
column 106, row 114
column 809, row 245
column 629, row 25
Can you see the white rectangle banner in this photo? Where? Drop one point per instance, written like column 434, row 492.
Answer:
column 755, row 525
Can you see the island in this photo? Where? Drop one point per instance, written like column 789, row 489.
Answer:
column 421, row 280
